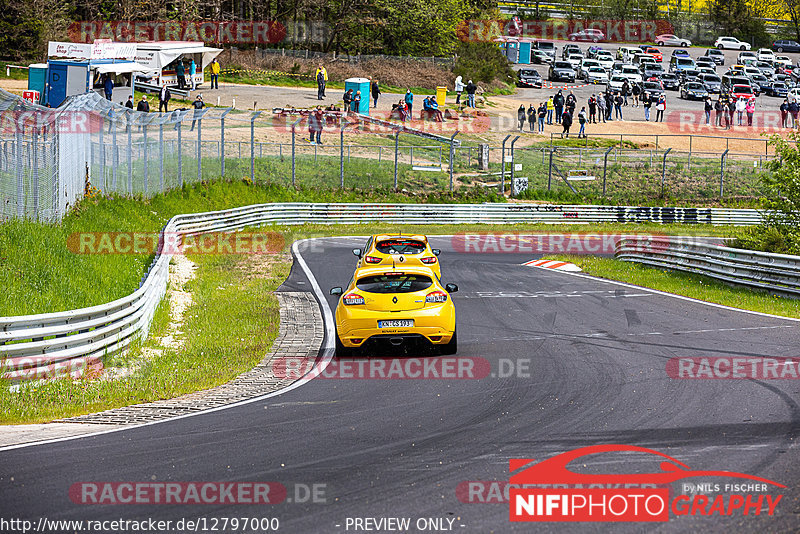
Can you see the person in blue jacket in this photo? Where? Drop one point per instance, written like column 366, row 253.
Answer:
column 434, row 107
column 409, row 100
column 108, row 87
column 192, row 72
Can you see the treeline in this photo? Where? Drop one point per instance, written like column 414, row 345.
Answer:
column 395, row 27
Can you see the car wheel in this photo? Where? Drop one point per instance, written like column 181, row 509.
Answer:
column 658, row 43
column 742, row 48
column 685, row 44
column 780, row 49
column 720, row 47
column 452, row 346
column 572, row 38
column 594, row 40
column 341, row 350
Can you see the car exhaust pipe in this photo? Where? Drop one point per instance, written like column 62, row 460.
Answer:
column 396, row 340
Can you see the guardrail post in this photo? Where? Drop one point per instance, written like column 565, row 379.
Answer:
column 199, row 152
column 550, row 168
column 20, row 180
column 115, row 155
column 180, row 156
column 664, row 170
column 605, row 167
column 222, row 141
column 503, row 185
column 130, row 153
column 102, row 154
column 160, row 156
column 342, row 126
column 396, row 141
column 35, row 172
column 253, row 148
column 722, row 172
column 451, row 158
column 503, row 163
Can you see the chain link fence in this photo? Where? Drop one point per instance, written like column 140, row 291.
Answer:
column 50, row 158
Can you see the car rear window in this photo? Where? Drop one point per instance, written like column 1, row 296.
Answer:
column 400, row 246
column 394, row 283
column 684, row 61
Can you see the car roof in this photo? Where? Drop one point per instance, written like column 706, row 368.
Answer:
column 381, row 237
column 404, row 268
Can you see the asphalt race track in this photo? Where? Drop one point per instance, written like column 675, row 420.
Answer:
column 595, row 354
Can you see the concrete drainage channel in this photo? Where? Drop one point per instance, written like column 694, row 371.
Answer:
column 300, row 335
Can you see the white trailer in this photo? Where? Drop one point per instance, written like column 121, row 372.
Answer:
column 163, row 56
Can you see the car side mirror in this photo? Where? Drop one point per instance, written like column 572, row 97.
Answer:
column 357, row 252
column 451, row 288
column 336, row 290
column 436, row 251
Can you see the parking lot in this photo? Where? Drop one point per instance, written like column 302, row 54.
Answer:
column 674, row 103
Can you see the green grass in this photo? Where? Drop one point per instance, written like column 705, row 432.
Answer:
column 16, row 74
column 295, row 81
column 686, row 284
column 228, row 330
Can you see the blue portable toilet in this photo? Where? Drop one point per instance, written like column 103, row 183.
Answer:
column 359, row 84
column 37, row 77
column 512, row 51
column 524, row 55
column 65, row 78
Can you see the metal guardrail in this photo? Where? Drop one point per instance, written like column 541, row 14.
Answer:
column 37, row 346
column 777, row 273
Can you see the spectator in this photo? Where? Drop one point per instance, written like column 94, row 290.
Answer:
column 521, row 117
column 750, row 108
column 180, row 72
column 108, row 87
column 198, row 104
column 315, row 125
column 376, row 92
column 784, row 112
column 531, row 118
column 609, row 105
column 558, row 102
column 409, row 100
column 731, row 111
column 618, row 103
column 626, row 90
column 647, row 101
column 601, row 107
column 129, row 103
column 636, row 90
column 434, row 107
column 571, row 101
column 566, row 122
column 192, row 72
column 550, row 107
column 347, row 99
column 163, row 98
column 661, row 107
column 542, row 113
column 459, row 87
column 719, row 109
column 582, row 122
column 793, row 110
column 592, row 108
column 740, row 107
column 214, row 74
column 143, row 105
column 707, row 107
column 471, row 88
column 356, row 104
column 321, row 75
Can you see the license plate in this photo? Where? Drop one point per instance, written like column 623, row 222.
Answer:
column 396, row 323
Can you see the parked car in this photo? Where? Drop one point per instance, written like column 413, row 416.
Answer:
column 583, row 69
column 627, row 53
column 762, row 81
column 596, row 75
column 717, row 55
column 616, row 82
column 547, row 47
column 742, row 91
column 569, row 48
column 712, row 82
column 668, row 39
column 794, row 94
column 693, row 91
column 529, row 78
column 778, row 89
column 705, row 61
column 589, row 34
column 654, row 89
column 705, row 70
column 751, row 71
column 631, row 73
column 766, row 68
column 561, row 71
column 655, row 52
column 765, row 54
column 746, row 57
column 592, row 51
column 678, row 63
column 786, row 46
column 680, row 52
column 575, row 59
column 670, row 81
column 782, row 60
column 729, row 81
column 605, row 58
column 541, row 58
column 730, row 43
column 651, row 70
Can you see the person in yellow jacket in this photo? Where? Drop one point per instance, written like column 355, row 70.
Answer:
column 322, row 78
column 550, row 108
column 214, row 74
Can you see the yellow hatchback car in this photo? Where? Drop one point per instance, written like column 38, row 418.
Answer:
column 387, row 250
column 395, row 306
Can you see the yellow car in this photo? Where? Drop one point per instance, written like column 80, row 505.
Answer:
column 387, row 250
column 394, row 306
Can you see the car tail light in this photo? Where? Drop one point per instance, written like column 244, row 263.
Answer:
column 430, row 260
column 353, row 298
column 372, row 259
column 436, row 297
